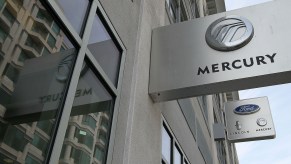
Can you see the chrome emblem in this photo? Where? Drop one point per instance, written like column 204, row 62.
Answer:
column 246, row 109
column 262, row 122
column 229, row 33
column 238, row 125
column 65, row 66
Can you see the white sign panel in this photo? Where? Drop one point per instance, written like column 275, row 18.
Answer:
column 239, row 49
column 249, row 120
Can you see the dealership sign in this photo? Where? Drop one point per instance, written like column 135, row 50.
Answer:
column 249, row 120
column 239, row 49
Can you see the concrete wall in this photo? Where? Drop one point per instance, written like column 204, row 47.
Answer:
column 138, row 128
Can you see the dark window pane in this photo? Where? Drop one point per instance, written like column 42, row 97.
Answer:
column 3, row 35
column 30, row 160
column 84, row 137
column 45, row 126
column 45, row 52
column 15, row 138
column 2, row 2
column 80, row 156
column 44, row 16
column 40, row 143
column 33, row 80
column 75, row 11
column 8, row 15
column 34, row 44
column 92, row 104
column 11, row 72
column 99, row 154
column 51, row 41
column 40, row 29
column 5, row 96
column 90, row 121
column 23, row 56
column 56, row 29
column 104, row 50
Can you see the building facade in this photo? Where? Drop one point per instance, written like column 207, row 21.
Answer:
column 74, row 86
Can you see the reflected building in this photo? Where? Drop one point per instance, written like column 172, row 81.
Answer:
column 28, row 31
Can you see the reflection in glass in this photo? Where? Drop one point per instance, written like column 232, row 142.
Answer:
column 104, row 49
column 166, row 145
column 75, row 11
column 31, row 67
column 87, row 135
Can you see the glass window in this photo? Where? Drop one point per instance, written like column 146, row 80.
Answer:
column 31, row 91
column 45, row 125
column 40, row 29
column 171, row 153
column 23, row 56
column 90, row 121
column 34, row 44
column 45, row 52
column 51, row 41
column 18, row 3
column 80, row 156
column 14, row 138
column 30, row 160
column 104, row 49
column 5, row 96
column 45, row 16
column 3, row 35
column 84, row 137
column 75, row 11
column 99, row 154
column 1, row 59
column 40, row 143
column 166, row 145
column 8, row 16
column 177, row 156
column 11, row 72
column 104, row 123
column 2, row 2
column 56, row 29
column 91, row 97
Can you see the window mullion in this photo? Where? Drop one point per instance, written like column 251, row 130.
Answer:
column 57, row 147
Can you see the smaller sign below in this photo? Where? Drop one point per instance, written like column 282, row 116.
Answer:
column 249, row 120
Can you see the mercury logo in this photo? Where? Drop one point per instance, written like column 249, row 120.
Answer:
column 229, row 33
column 64, row 68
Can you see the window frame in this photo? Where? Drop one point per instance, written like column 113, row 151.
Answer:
column 174, row 144
column 84, row 54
